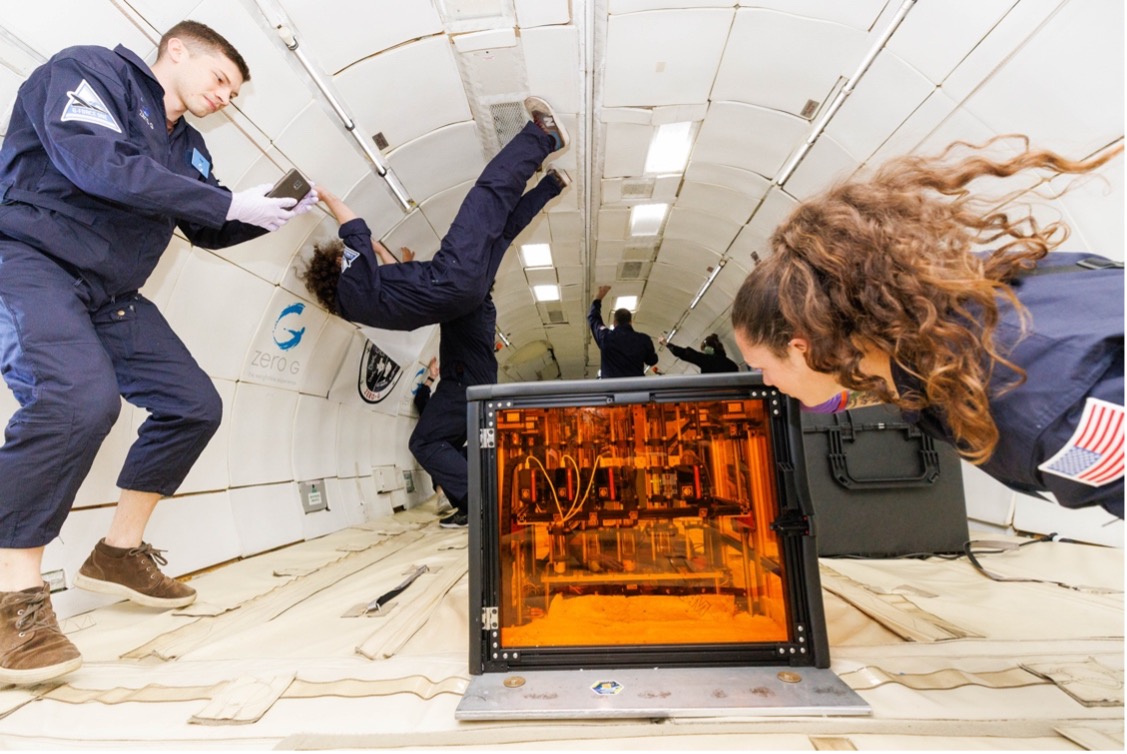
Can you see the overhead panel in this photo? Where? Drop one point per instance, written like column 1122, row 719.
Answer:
column 753, row 237
column 935, row 37
column 318, row 146
column 162, row 14
column 71, row 22
column 613, row 224
column 439, row 160
column 860, row 14
column 748, row 137
column 625, row 149
column 532, row 13
column 709, row 231
column 566, row 227
column 740, row 181
column 551, row 58
column 333, row 34
column 825, row 164
column 329, row 349
column 276, row 93
column 1044, row 94
column 717, row 200
column 784, row 62
column 383, row 100
column 889, row 92
column 919, row 125
column 663, row 57
column 262, row 429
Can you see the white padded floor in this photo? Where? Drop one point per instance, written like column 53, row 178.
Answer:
column 946, row 658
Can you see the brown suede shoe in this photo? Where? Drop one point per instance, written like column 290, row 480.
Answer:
column 133, row 573
column 32, row 648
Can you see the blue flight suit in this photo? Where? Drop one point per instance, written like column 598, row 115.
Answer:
column 625, row 352
column 709, row 363
column 456, row 280
column 92, row 186
column 1072, row 351
column 466, row 350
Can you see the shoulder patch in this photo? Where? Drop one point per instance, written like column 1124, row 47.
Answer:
column 84, row 104
column 1094, row 453
column 348, row 258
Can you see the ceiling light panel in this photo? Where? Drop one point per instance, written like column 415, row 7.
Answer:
column 546, row 292
column 646, row 219
column 669, row 148
column 536, row 255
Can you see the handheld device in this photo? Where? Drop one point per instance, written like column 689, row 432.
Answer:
column 292, row 186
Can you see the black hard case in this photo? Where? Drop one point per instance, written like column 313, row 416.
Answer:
column 880, row 487
column 808, row 644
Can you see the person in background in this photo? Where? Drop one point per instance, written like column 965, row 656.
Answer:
column 1014, row 355
column 453, row 289
column 625, row 352
column 97, row 169
column 711, row 358
column 420, row 399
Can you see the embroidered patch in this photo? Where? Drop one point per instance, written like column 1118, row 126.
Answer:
column 1094, row 453
column 200, row 163
column 85, row 105
column 348, row 258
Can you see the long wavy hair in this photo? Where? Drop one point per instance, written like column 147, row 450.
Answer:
column 322, row 272
column 885, row 263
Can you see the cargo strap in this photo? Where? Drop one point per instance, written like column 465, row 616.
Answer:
column 977, row 547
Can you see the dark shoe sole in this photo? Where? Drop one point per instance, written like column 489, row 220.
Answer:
column 31, row 676
column 120, row 590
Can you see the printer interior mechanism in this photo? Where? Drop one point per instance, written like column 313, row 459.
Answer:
column 638, row 524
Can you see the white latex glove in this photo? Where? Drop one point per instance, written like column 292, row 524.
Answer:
column 308, row 201
column 255, row 208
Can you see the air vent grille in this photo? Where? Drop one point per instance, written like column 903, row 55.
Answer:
column 556, row 316
column 508, row 120
column 637, row 188
column 630, row 270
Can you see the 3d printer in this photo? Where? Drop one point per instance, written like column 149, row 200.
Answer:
column 643, row 548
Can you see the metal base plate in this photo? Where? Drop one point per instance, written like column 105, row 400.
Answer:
column 658, row 693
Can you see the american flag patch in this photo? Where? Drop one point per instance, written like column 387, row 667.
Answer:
column 1094, row 453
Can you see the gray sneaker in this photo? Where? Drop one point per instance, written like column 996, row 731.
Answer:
column 543, row 116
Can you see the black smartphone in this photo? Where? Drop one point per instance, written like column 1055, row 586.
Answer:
column 292, row 186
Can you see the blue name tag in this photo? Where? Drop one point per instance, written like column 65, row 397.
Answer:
column 200, row 163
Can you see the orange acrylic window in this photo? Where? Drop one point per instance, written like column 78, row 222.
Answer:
column 642, row 524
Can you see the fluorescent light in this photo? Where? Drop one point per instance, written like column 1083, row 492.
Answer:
column 536, row 255
column 626, row 302
column 670, row 147
column 708, row 283
column 646, row 219
column 546, row 292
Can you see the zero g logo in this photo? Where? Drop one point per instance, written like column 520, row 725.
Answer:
column 284, row 337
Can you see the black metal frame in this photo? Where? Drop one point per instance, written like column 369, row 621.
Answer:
column 807, row 643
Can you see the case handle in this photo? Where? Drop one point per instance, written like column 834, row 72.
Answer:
column 839, row 462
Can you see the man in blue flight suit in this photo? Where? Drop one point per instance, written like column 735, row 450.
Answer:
column 453, row 289
column 625, row 352
column 97, row 169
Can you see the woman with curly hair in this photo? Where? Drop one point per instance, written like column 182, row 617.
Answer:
column 1014, row 355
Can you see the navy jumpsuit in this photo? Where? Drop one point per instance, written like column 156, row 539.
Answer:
column 709, row 363
column 1072, row 352
column 625, row 352
column 92, row 186
column 456, row 280
column 466, row 353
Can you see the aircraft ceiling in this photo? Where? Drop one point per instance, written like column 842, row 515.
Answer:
column 776, row 98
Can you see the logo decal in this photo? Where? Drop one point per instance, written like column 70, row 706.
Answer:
column 378, row 374
column 84, row 104
column 289, row 338
column 348, row 258
column 144, row 113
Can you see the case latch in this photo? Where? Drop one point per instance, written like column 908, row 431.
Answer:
column 487, row 438
column 490, row 619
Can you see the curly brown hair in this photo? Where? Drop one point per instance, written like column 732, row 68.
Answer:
column 886, row 264
column 322, row 272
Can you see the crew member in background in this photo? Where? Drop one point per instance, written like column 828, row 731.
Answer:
column 625, row 352
column 711, row 358
column 98, row 167
column 453, row 289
